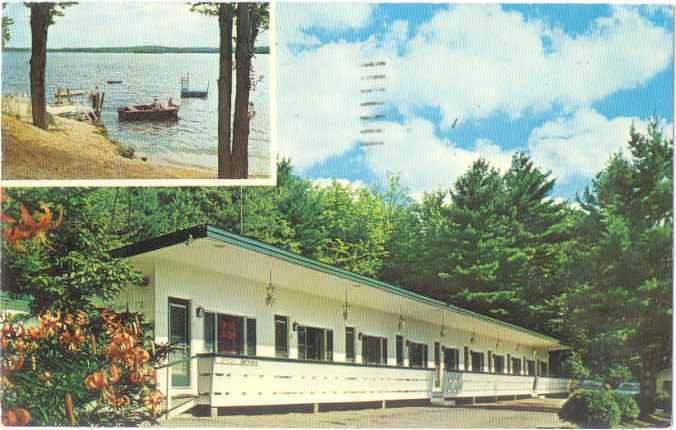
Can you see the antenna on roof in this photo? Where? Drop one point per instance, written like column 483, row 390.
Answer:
column 372, row 103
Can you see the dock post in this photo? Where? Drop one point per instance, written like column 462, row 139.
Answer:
column 315, row 408
column 214, row 412
column 382, row 404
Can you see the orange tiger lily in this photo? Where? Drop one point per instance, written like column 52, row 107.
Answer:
column 153, row 400
column 96, row 381
column 120, row 402
column 49, row 323
column 141, row 356
column 72, row 341
column 114, row 374
column 23, row 416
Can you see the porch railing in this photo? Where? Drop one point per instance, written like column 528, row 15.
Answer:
column 243, row 381
column 469, row 384
column 165, row 383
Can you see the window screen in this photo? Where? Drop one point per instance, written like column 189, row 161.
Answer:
column 281, row 336
column 349, row 344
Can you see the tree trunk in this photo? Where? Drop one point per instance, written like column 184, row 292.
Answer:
column 40, row 20
column 240, row 146
column 225, row 91
column 648, row 381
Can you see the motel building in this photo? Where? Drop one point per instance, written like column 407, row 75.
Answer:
column 255, row 325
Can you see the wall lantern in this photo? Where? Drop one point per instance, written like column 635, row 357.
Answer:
column 497, row 344
column 472, row 339
column 199, row 312
column 359, row 336
column 294, row 326
column 442, row 332
column 346, row 308
column 270, row 292
column 402, row 321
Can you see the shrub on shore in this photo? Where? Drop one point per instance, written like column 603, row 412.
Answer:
column 628, row 407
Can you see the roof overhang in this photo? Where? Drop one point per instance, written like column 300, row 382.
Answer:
column 210, row 248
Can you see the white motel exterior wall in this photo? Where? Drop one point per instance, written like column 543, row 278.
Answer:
column 279, row 382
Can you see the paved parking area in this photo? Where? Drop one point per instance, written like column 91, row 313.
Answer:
column 407, row 417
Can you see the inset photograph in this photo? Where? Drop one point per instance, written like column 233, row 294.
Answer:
column 124, row 91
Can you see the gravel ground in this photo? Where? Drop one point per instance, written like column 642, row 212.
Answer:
column 407, row 417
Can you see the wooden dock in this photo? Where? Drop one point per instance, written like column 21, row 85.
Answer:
column 76, row 111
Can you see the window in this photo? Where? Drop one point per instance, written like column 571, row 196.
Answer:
column 451, row 359
column 530, row 367
column 281, row 336
column 466, row 360
column 229, row 334
column 499, row 363
column 417, row 354
column 315, row 344
column 516, row 366
column 477, row 361
column 490, row 362
column 209, row 330
column 543, row 369
column 349, row 344
column 250, row 336
column 400, row 350
column 373, row 350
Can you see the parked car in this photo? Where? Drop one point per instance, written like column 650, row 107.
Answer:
column 589, row 384
column 629, row 389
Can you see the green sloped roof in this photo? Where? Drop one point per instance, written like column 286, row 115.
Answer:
column 208, row 231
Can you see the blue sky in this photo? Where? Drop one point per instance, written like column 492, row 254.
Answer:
column 561, row 82
column 93, row 24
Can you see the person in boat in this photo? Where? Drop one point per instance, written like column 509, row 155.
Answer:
column 156, row 104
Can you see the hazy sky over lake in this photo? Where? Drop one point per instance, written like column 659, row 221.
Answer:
column 98, row 24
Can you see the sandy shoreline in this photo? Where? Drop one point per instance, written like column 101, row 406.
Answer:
column 73, row 150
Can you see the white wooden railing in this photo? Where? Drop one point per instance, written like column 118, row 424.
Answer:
column 549, row 385
column 467, row 384
column 225, row 381
column 236, row 381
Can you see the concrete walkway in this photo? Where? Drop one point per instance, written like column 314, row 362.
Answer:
column 408, row 417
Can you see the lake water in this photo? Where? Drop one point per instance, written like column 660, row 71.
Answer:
column 190, row 141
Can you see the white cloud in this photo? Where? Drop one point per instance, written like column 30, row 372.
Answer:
column 322, row 183
column 475, row 61
column 317, row 99
column 582, row 143
column 425, row 162
column 470, row 62
column 318, row 103
column 294, row 19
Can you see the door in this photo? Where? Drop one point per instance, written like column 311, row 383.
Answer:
column 179, row 338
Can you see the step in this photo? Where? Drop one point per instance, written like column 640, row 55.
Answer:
column 180, row 404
